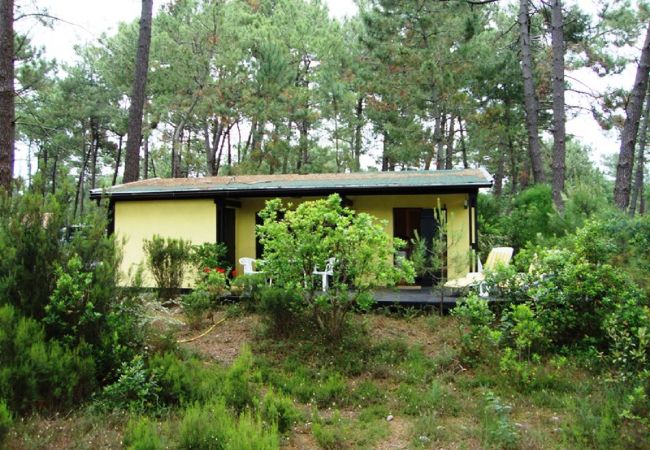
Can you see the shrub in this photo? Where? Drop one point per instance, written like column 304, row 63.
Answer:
column 136, row 389
column 532, row 217
column 209, row 255
column 142, row 434
column 70, row 315
column 35, row 373
column 238, row 385
column 166, row 259
column 329, row 438
column 195, row 305
column 6, row 421
column 205, row 427
column 316, row 231
column 250, row 434
column 279, row 410
column 475, row 327
column 498, row 430
column 212, row 427
column 182, row 382
column 281, row 310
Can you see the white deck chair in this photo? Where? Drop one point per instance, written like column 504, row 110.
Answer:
column 498, row 256
column 249, row 266
column 328, row 272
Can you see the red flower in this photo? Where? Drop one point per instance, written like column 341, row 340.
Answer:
column 233, row 273
column 220, row 269
column 206, row 270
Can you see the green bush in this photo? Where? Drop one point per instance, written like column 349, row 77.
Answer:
column 142, row 434
column 36, row 373
column 475, row 325
column 531, row 217
column 297, row 240
column 70, row 315
column 166, row 260
column 281, row 310
column 205, row 427
column 209, row 256
column 238, row 384
column 182, row 381
column 212, row 427
column 497, row 429
column 195, row 305
column 278, row 409
column 136, row 388
column 250, row 434
column 6, row 420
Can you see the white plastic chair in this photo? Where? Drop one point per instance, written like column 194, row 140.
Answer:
column 328, row 272
column 498, row 256
column 249, row 264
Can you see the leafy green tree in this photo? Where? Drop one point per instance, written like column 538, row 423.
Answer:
column 296, row 241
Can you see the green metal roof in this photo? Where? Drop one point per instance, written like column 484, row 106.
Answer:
column 292, row 184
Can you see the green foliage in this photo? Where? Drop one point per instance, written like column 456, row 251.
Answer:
column 498, row 431
column 329, row 438
column 311, row 234
column 166, row 260
column 209, row 255
column 279, row 410
column 475, row 321
column 212, row 427
column 205, row 427
column 35, row 372
column 195, row 305
column 531, row 217
column 281, row 310
column 6, row 420
column 70, row 315
column 136, row 389
column 183, row 381
column 142, row 434
column 238, row 384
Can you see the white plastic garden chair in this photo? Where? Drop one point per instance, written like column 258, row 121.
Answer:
column 328, row 272
column 498, row 256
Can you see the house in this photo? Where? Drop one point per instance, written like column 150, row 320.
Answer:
column 224, row 208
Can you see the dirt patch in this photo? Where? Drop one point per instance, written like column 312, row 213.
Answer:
column 400, row 429
column 432, row 333
column 301, row 438
column 225, row 342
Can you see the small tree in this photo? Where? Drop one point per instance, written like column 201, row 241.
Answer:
column 316, row 231
column 166, row 259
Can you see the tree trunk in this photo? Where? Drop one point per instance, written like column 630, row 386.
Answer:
column 94, row 145
column 640, row 164
column 118, row 158
column 385, row 160
column 498, row 176
column 145, row 145
column 530, row 98
column 463, row 149
column 442, row 120
column 7, row 95
column 357, row 134
column 132, row 160
column 559, row 116
column 79, row 197
column 449, row 162
column 631, row 128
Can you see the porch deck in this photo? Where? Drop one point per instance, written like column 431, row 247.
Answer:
column 425, row 296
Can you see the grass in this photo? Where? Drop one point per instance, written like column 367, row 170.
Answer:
column 315, row 396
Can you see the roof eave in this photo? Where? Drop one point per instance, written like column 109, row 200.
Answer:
column 291, row 192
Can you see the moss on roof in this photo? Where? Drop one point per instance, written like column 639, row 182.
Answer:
column 266, row 185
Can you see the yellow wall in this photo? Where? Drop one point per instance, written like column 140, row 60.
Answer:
column 135, row 221
column 380, row 206
column 195, row 220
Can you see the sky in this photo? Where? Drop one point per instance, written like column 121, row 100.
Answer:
column 83, row 22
